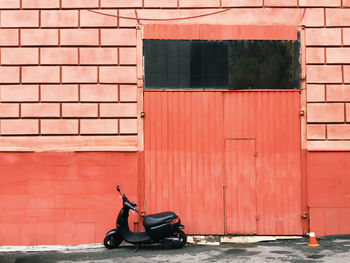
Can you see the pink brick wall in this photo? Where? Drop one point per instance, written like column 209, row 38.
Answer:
column 327, row 58
column 66, row 71
column 63, row 64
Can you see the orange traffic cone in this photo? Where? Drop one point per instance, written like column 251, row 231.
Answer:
column 312, row 239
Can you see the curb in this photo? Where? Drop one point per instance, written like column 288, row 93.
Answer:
column 196, row 240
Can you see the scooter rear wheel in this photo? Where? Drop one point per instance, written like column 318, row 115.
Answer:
column 182, row 237
column 112, row 241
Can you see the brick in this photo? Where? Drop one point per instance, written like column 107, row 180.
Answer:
column 24, row 93
column 39, row 37
column 203, row 3
column 338, row 93
column 315, row 55
column 118, row 110
column 79, row 37
column 99, row 56
column 323, row 74
column 99, row 93
column 9, row 75
column 40, row 110
column 323, row 37
column 315, row 93
column 59, row 18
column 100, row 126
column 59, row 126
column 19, row 56
column 338, row 131
column 58, row 56
column 121, row 3
column 13, row 200
column 8, row 110
column 79, row 110
column 281, row 3
column 346, row 3
column 5, row 4
column 233, row 3
column 79, row 74
column 346, row 36
column 316, row 132
column 162, row 4
column 59, row 93
column 19, row 127
column 9, row 37
column 127, row 56
column 44, row 201
column 338, row 55
column 128, row 93
column 118, row 74
column 319, row 3
column 314, row 17
column 40, row 74
column 118, row 37
column 347, row 74
column 91, row 19
column 338, row 17
column 79, row 3
column 19, row 18
column 325, row 112
column 128, row 126
column 347, row 111
column 40, row 4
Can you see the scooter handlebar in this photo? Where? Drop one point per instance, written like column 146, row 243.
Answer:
column 126, row 201
column 131, row 206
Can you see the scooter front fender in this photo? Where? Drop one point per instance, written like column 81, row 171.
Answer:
column 112, row 232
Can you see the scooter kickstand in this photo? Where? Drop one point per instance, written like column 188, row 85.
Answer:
column 137, row 248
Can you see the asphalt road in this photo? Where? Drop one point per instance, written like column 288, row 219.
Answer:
column 332, row 249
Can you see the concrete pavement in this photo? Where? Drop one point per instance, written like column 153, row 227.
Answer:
column 332, row 249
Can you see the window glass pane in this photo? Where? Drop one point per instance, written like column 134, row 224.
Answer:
column 180, row 64
column 246, row 64
column 264, row 64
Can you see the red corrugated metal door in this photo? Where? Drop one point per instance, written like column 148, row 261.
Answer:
column 187, row 161
column 240, row 186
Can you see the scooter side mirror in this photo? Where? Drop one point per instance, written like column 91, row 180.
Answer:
column 118, row 189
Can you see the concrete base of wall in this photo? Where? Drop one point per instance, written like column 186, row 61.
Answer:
column 328, row 175
column 64, row 198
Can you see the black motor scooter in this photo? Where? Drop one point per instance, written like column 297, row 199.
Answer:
column 160, row 228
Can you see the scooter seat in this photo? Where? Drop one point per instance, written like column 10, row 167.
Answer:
column 158, row 219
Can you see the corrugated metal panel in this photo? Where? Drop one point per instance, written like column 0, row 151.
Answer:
column 240, row 187
column 185, row 156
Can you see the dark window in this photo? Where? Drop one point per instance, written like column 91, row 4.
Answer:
column 248, row 64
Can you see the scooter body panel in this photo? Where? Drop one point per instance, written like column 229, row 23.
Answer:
column 126, row 234
column 161, row 231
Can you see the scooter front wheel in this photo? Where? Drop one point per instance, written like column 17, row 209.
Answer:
column 112, row 241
